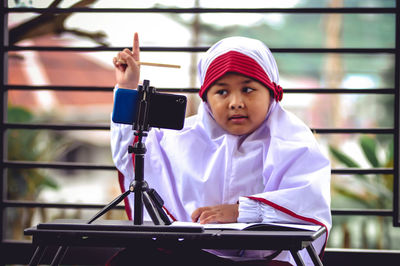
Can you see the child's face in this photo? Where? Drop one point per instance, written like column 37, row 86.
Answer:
column 239, row 104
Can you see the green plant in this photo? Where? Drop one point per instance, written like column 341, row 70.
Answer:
column 364, row 191
column 24, row 145
column 26, row 183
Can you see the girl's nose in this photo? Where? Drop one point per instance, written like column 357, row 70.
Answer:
column 236, row 102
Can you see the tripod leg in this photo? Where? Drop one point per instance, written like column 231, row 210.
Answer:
column 159, row 202
column 151, row 208
column 109, row 206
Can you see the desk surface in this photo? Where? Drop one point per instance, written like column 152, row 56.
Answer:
column 107, row 233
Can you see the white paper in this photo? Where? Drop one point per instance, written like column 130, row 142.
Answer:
column 241, row 226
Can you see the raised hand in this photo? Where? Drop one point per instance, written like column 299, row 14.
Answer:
column 127, row 68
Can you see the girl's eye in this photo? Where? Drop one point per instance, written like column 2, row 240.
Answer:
column 247, row 90
column 221, row 92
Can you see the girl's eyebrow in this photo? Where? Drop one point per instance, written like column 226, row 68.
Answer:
column 247, row 81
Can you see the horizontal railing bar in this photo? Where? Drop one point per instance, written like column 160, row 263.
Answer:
column 304, row 90
column 57, row 126
column 196, row 49
column 341, row 91
column 362, row 171
column 107, row 127
column 91, row 166
column 362, row 212
column 103, row 49
column 353, row 130
column 57, row 165
column 343, row 10
column 58, row 88
column 31, row 204
column 194, row 90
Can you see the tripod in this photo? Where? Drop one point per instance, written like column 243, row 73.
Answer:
column 143, row 194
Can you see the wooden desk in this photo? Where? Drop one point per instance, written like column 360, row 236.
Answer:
column 125, row 234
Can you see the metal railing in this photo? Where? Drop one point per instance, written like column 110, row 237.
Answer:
column 4, row 125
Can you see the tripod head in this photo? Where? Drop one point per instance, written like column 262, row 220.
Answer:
column 142, row 124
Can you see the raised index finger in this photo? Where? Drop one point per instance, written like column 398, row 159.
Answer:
column 135, row 47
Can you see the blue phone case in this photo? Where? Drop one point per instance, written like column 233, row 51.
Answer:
column 124, row 110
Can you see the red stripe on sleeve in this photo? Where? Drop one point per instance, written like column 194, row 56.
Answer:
column 126, row 201
column 293, row 214
column 121, row 178
column 169, row 214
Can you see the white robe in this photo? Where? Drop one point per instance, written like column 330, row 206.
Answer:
column 277, row 173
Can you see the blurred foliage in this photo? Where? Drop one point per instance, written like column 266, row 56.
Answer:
column 365, row 192
column 372, row 191
column 28, row 145
column 27, row 183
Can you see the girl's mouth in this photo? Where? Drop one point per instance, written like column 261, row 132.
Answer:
column 237, row 118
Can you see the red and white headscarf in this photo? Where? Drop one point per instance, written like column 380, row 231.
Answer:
column 242, row 55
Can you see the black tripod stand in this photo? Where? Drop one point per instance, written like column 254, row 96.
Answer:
column 143, row 194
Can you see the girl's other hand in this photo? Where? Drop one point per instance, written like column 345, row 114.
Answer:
column 225, row 213
column 128, row 72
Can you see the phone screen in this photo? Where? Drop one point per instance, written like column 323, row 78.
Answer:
column 167, row 111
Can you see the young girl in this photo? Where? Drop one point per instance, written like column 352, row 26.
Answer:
column 242, row 158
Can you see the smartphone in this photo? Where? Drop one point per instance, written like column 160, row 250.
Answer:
column 165, row 110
